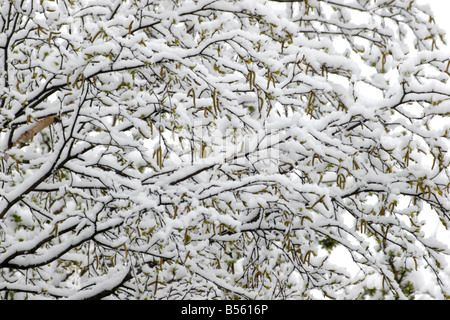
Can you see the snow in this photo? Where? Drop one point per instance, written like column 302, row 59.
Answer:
column 309, row 174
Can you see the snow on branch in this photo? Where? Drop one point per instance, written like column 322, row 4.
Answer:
column 223, row 150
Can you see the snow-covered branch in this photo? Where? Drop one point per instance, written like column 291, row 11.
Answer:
column 222, row 149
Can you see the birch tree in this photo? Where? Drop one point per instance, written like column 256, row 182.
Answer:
column 222, row 149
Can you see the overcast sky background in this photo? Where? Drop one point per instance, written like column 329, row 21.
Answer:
column 441, row 10
column 433, row 227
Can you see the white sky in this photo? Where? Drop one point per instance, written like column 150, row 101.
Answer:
column 433, row 227
column 441, row 10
